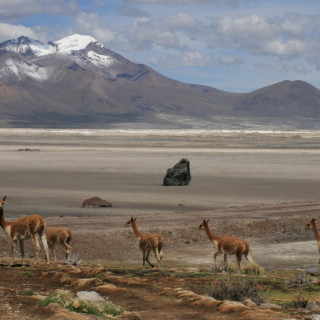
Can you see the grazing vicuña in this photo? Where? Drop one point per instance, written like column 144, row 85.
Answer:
column 59, row 235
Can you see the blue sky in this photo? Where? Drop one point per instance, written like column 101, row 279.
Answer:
column 232, row 45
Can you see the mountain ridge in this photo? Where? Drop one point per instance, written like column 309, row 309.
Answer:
column 78, row 82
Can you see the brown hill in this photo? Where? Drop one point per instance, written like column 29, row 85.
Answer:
column 93, row 86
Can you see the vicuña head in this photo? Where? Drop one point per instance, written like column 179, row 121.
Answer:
column 147, row 242
column 227, row 245
column 312, row 225
column 24, row 228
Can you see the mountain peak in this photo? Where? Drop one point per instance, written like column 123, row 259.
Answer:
column 74, row 42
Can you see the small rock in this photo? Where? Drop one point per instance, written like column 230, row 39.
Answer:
column 90, row 296
column 95, row 202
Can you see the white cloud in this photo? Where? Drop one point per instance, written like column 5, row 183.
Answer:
column 173, row 3
column 292, row 35
column 283, row 66
column 145, row 33
column 189, row 59
column 92, row 24
column 230, row 60
column 14, row 9
column 8, row 31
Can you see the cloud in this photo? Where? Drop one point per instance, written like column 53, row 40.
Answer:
column 13, row 9
column 230, row 61
column 92, row 24
column 9, row 31
column 173, row 3
column 171, row 33
column 132, row 12
column 291, row 35
column 281, row 65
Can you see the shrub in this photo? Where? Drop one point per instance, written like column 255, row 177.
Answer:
column 72, row 260
column 253, row 269
column 28, row 293
column 69, row 301
column 236, row 288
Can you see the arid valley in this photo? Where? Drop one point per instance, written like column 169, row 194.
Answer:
column 260, row 186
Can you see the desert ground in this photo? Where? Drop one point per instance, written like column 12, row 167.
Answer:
column 261, row 186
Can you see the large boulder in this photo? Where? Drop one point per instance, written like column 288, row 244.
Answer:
column 95, row 202
column 179, row 175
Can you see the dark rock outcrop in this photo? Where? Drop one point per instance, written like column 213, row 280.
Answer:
column 179, row 175
column 95, row 202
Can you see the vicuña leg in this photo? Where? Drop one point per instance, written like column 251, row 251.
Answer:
column 239, row 257
column 215, row 258
column 147, row 258
column 68, row 249
column 155, row 251
column 37, row 248
column 13, row 249
column 21, row 242
column 43, row 237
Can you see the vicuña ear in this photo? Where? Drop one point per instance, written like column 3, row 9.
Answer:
column 313, row 219
column 207, row 221
column 134, row 219
column 4, row 198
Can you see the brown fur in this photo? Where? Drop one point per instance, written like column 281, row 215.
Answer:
column 227, row 245
column 312, row 225
column 22, row 229
column 62, row 236
column 148, row 242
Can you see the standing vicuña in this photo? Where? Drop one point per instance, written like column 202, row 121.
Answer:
column 312, row 225
column 148, row 242
column 24, row 228
column 227, row 245
column 61, row 235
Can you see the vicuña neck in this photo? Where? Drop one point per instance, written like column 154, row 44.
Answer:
column 210, row 234
column 3, row 222
column 316, row 232
column 135, row 229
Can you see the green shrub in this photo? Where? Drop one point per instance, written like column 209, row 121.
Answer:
column 69, row 301
column 28, row 293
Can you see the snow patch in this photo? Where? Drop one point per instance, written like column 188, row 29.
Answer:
column 74, row 43
column 22, row 69
column 100, row 60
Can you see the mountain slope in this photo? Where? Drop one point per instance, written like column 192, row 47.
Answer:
column 78, row 82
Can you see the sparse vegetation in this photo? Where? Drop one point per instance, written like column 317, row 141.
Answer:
column 72, row 260
column 72, row 303
column 26, row 274
column 237, row 288
column 253, row 269
column 28, row 292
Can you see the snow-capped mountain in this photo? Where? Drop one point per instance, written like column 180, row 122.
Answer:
column 78, row 82
column 84, row 50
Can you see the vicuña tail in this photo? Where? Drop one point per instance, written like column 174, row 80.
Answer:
column 160, row 252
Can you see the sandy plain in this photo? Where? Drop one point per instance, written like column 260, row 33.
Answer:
column 262, row 186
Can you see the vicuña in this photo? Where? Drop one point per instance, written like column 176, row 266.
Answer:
column 312, row 225
column 59, row 235
column 148, row 242
column 24, row 228
column 227, row 245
